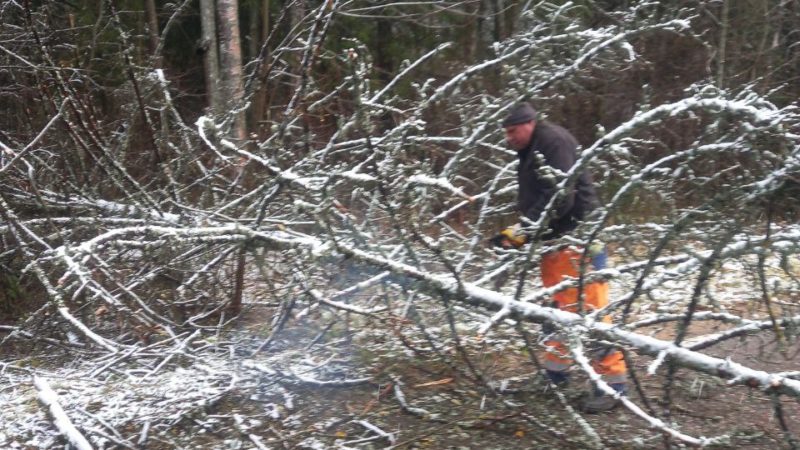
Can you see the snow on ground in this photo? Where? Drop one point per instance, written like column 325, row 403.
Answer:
column 139, row 401
column 215, row 393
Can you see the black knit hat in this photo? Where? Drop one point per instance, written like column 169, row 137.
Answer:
column 520, row 113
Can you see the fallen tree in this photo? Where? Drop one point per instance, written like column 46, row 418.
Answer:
column 389, row 212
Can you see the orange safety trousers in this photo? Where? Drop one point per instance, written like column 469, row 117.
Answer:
column 556, row 266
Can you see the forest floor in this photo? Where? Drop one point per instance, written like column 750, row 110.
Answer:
column 371, row 386
column 223, row 397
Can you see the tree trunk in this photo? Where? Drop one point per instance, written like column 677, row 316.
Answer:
column 499, row 22
column 265, row 23
column 259, row 99
column 297, row 12
column 232, row 90
column 254, row 18
column 723, row 41
column 511, row 14
column 232, row 85
column 210, row 53
column 384, row 62
column 480, row 25
column 467, row 39
column 153, row 30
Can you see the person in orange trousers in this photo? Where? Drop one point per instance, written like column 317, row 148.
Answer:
column 556, row 266
column 541, row 147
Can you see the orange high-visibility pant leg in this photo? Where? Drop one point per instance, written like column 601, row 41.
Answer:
column 556, row 266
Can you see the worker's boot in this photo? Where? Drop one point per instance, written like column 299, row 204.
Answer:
column 600, row 402
column 558, row 378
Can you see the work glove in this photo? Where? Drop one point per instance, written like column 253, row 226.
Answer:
column 510, row 237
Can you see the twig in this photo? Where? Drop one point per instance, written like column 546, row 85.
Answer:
column 114, row 439
column 444, row 424
column 120, row 358
column 239, row 424
column 60, row 418
column 791, row 440
column 401, row 398
column 143, row 434
column 382, row 391
column 388, row 436
column 284, row 312
column 169, row 357
column 117, row 437
column 330, row 383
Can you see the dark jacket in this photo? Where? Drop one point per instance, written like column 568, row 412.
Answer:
column 552, row 146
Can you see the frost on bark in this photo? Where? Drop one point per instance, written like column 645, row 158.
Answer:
column 365, row 242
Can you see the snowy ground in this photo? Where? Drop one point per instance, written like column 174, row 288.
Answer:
column 375, row 387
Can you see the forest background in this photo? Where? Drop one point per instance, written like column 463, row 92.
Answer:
column 274, row 215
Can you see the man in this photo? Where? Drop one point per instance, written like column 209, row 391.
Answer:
column 542, row 147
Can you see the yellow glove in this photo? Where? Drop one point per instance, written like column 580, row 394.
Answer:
column 512, row 237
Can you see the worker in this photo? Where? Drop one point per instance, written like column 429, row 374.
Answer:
column 541, row 147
